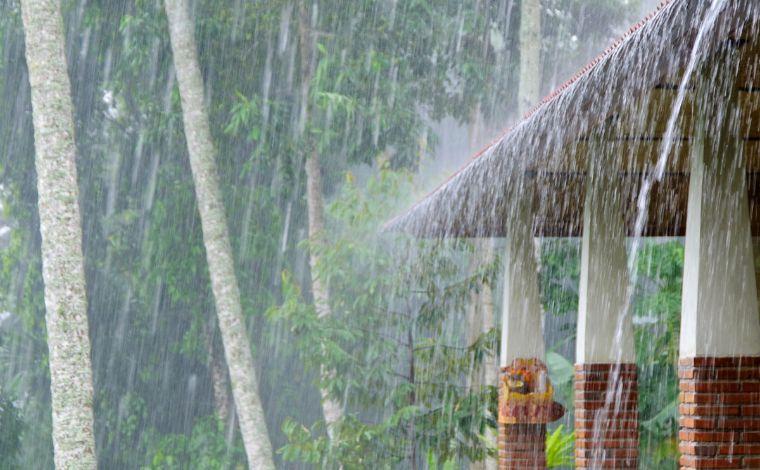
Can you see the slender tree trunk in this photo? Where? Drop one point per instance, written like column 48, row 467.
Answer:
column 61, row 230
column 490, row 362
column 529, row 91
column 412, row 400
column 480, row 313
column 530, row 55
column 480, row 309
column 224, row 283
column 331, row 408
column 219, row 382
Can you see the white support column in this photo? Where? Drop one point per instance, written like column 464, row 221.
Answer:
column 522, row 323
column 719, row 307
column 522, row 444
column 605, row 332
column 720, row 328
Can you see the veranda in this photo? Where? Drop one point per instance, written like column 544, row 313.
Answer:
column 659, row 136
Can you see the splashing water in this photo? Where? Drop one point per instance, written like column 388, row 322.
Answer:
column 667, row 141
column 614, row 399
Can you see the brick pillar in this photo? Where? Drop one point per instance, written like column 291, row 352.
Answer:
column 719, row 408
column 522, row 446
column 606, row 416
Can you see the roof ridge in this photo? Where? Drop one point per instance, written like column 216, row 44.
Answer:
column 596, row 60
column 546, row 100
column 579, row 74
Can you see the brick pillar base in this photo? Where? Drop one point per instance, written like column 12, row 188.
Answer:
column 719, row 407
column 606, row 416
column 522, row 446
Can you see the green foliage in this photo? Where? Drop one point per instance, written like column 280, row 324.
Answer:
column 560, row 450
column 434, row 464
column 657, row 311
column 205, row 447
column 561, row 373
column 389, row 349
column 560, row 275
column 11, row 428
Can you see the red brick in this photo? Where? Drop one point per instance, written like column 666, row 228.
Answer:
column 608, row 454
column 603, row 367
column 691, row 448
column 631, row 442
column 601, row 395
column 713, row 362
column 750, row 410
column 605, row 414
column 710, row 462
column 752, row 436
column 581, row 434
column 699, row 398
column 593, row 386
column 590, row 424
column 729, row 373
column 739, row 398
column 708, row 410
column 739, row 449
column 720, row 412
column 625, row 405
column 605, row 376
column 606, row 422
column 720, row 423
column 710, row 387
column 707, row 436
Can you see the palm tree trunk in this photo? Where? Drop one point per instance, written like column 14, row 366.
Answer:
column 331, row 408
column 61, row 229
column 224, row 283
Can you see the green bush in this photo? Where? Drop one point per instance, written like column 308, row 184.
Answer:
column 11, row 427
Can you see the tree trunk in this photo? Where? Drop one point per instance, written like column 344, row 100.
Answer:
column 219, row 382
column 331, row 409
column 529, row 91
column 530, row 55
column 221, row 268
column 480, row 313
column 61, row 229
column 490, row 363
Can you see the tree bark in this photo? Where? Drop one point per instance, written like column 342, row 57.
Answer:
column 331, row 408
column 530, row 55
column 529, row 91
column 224, row 283
column 490, row 363
column 480, row 313
column 219, row 382
column 61, row 229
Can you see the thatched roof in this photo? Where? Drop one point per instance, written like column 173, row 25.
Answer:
column 615, row 111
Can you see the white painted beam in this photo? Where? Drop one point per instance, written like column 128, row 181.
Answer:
column 719, row 314
column 605, row 331
column 522, row 319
